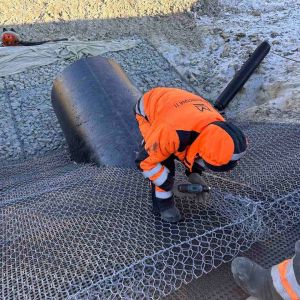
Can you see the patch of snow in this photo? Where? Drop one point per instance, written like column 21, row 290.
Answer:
column 228, row 39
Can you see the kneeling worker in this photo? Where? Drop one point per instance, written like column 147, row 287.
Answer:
column 176, row 124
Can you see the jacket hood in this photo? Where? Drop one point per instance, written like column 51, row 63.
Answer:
column 218, row 144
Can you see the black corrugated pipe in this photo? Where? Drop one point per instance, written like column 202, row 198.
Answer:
column 242, row 75
column 93, row 100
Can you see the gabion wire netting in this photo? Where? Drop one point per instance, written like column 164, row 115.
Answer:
column 72, row 231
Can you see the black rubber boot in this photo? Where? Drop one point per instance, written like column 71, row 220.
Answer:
column 166, row 208
column 257, row 281
column 253, row 279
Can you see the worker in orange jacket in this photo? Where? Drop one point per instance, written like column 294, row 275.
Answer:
column 280, row 282
column 176, row 124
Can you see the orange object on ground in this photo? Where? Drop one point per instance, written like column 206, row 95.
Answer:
column 10, row 38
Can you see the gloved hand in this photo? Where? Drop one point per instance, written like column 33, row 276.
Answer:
column 198, row 179
column 195, row 169
column 193, row 178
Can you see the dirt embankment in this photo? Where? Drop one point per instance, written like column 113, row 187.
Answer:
column 29, row 11
column 88, row 19
column 205, row 40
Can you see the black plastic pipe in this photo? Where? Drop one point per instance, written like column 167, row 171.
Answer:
column 242, row 76
column 93, row 100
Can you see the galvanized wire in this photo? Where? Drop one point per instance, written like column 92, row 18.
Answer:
column 70, row 231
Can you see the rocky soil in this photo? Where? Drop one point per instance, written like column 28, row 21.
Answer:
column 96, row 20
column 205, row 41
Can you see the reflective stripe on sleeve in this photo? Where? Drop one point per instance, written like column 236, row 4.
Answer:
column 284, row 280
column 237, row 156
column 153, row 171
column 290, row 275
column 139, row 107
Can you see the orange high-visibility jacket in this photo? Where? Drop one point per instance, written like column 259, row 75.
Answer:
column 285, row 281
column 170, row 121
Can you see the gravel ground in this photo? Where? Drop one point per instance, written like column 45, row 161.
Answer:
column 28, row 11
column 30, row 126
column 205, row 41
column 29, row 95
column 9, row 142
column 86, row 19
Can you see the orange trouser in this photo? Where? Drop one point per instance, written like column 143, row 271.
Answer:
column 164, row 192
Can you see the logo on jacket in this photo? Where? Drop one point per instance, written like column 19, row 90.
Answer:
column 202, row 107
column 185, row 101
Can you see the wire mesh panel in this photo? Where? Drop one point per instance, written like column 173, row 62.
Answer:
column 271, row 169
column 271, row 164
column 70, row 231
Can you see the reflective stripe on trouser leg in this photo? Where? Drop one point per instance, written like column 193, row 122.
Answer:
column 161, row 194
column 284, row 280
column 158, row 175
column 153, row 171
column 162, row 177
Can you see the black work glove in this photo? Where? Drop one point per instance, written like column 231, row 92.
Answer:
column 195, row 169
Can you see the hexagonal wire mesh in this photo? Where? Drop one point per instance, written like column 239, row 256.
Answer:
column 86, row 232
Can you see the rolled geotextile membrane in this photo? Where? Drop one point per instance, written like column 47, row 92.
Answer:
column 93, row 100
column 242, row 75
